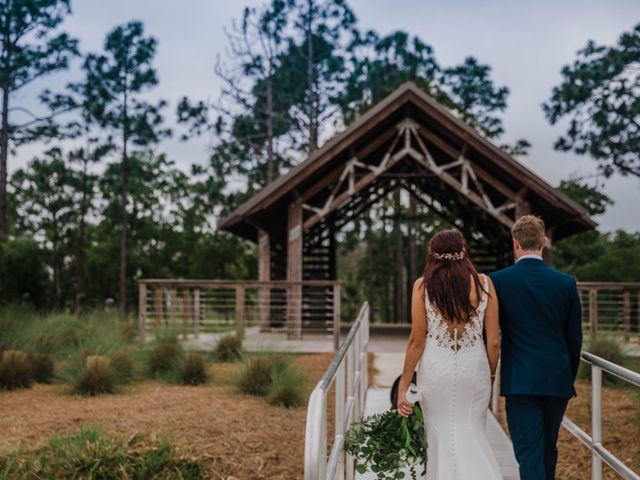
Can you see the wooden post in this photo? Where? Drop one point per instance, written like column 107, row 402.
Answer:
column 294, row 270
column 240, row 311
column 158, row 294
column 336, row 316
column 626, row 313
column 264, row 275
column 186, row 312
column 196, row 312
column 142, row 310
column 593, row 312
column 522, row 206
column 173, row 299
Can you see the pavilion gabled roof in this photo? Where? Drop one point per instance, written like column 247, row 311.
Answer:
column 445, row 134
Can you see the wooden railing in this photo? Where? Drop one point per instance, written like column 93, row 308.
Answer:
column 196, row 306
column 612, row 308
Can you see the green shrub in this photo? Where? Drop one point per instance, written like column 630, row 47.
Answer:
column 287, row 388
column 122, row 367
column 91, row 455
column 42, row 367
column 194, row 369
column 256, row 373
column 609, row 349
column 97, row 377
column 228, row 349
column 164, row 358
column 15, row 370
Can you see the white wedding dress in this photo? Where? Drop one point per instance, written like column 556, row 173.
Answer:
column 454, row 379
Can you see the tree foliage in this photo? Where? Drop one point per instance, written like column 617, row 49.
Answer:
column 600, row 96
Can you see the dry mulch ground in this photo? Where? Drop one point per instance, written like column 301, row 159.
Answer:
column 620, row 432
column 238, row 436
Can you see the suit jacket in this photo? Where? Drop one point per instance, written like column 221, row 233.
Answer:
column 541, row 328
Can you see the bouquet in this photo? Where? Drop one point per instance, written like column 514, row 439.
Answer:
column 384, row 443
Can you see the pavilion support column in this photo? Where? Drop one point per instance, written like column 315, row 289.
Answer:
column 294, row 269
column 522, row 206
column 264, row 275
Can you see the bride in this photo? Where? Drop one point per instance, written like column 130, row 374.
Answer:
column 454, row 367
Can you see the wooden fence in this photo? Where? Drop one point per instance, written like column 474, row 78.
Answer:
column 611, row 307
column 195, row 306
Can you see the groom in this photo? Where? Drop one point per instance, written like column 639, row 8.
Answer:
column 540, row 322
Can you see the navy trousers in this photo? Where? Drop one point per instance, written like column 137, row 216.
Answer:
column 534, row 422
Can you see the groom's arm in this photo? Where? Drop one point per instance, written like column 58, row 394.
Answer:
column 573, row 328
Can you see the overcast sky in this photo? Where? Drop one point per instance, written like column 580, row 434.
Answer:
column 525, row 42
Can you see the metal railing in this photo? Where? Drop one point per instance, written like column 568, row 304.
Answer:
column 594, row 442
column 348, row 371
column 310, row 306
column 612, row 307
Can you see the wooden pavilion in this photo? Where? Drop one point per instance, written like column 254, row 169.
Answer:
column 407, row 141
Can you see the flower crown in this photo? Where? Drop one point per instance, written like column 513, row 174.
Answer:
column 448, row 256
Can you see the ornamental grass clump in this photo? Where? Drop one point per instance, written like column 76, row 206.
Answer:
column 96, row 378
column 194, row 369
column 287, row 388
column 42, row 367
column 15, row 370
column 91, row 455
column 228, row 349
column 164, row 358
column 385, row 443
column 609, row 349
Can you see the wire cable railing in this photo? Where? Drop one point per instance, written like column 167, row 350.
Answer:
column 594, row 441
column 348, row 372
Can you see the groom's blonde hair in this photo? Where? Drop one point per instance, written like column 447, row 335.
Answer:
column 529, row 231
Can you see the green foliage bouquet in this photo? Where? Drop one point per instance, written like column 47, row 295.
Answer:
column 384, row 443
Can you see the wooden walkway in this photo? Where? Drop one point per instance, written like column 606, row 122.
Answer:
column 389, row 366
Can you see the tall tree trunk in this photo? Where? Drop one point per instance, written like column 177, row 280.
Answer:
column 398, row 284
column 370, row 273
column 124, row 174
column 81, row 237
column 270, row 160
column 4, row 149
column 413, row 249
column 313, row 115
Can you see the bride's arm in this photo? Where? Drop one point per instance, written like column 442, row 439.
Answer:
column 417, row 339
column 492, row 328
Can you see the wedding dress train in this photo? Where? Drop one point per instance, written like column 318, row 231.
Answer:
column 454, row 378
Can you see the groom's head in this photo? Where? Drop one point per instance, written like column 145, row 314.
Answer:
column 528, row 236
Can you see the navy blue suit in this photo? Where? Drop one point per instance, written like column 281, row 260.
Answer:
column 541, row 328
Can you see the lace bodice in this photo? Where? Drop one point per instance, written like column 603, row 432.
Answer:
column 444, row 334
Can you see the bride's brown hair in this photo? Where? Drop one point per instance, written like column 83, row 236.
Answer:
column 447, row 275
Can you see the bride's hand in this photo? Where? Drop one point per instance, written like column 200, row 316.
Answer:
column 404, row 407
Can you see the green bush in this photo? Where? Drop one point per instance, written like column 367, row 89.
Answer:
column 42, row 367
column 287, row 388
column 194, row 369
column 609, row 349
column 228, row 349
column 272, row 375
column 122, row 367
column 96, row 378
column 164, row 358
column 91, row 455
column 15, row 370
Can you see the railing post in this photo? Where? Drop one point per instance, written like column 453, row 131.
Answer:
column 593, row 311
column 196, row 312
column 336, row 316
column 339, row 414
column 626, row 313
column 240, row 311
column 596, row 421
column 142, row 310
column 158, row 292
